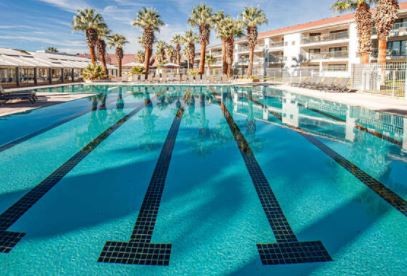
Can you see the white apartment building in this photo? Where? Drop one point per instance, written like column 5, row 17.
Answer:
column 329, row 45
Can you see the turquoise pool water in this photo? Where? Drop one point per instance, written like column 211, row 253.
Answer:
column 209, row 209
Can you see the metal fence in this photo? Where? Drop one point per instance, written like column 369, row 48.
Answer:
column 376, row 79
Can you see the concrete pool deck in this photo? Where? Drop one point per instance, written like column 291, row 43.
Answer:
column 369, row 101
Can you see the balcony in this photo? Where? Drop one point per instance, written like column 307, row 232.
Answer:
column 275, row 59
column 245, row 49
column 245, row 61
column 325, row 38
column 328, row 55
column 276, row 44
column 398, row 27
column 391, row 54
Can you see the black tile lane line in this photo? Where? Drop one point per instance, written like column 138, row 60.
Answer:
column 287, row 249
column 375, row 185
column 139, row 250
column 9, row 239
column 22, row 139
column 388, row 195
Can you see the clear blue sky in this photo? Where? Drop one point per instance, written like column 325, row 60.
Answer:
column 38, row 24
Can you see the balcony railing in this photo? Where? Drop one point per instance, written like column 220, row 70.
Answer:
column 397, row 27
column 324, row 38
column 389, row 54
column 246, row 49
column 256, row 60
column 276, row 59
column 276, row 44
column 328, row 55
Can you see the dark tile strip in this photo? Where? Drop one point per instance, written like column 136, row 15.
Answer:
column 287, row 249
column 22, row 139
column 9, row 239
column 139, row 250
column 379, row 188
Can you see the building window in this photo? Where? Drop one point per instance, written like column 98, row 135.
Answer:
column 26, row 75
column 397, row 48
column 56, row 75
column 42, row 75
column 7, row 76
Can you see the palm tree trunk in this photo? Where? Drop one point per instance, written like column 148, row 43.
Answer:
column 120, row 67
column 364, row 58
column 103, row 57
column 381, row 60
column 224, row 63
column 202, row 61
column 147, row 61
column 251, row 60
column 92, row 53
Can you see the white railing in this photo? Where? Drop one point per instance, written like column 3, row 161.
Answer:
column 276, row 44
column 326, row 37
column 328, row 55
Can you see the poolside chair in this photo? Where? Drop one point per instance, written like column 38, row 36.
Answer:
column 21, row 95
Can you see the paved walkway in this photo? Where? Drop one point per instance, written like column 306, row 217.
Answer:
column 370, row 101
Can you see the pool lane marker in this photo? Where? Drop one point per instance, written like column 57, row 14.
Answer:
column 287, row 249
column 8, row 240
column 375, row 185
column 139, row 250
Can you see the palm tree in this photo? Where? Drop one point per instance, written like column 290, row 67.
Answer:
column 51, row 50
column 177, row 41
column 385, row 17
column 210, row 60
column 118, row 41
column 217, row 18
column 103, row 32
column 201, row 17
column 89, row 21
column 227, row 31
column 364, row 22
column 170, row 53
column 150, row 22
column 140, row 56
column 189, row 39
column 252, row 17
column 160, row 52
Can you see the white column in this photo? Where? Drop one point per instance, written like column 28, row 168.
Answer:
column 350, row 126
column 404, row 146
column 353, row 47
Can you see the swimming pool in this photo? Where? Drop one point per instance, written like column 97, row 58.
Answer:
column 148, row 180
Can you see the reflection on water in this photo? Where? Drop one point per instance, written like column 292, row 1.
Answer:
column 374, row 141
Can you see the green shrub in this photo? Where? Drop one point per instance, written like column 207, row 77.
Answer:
column 193, row 72
column 93, row 72
column 138, row 70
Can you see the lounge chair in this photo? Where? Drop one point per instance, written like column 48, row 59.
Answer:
column 21, row 95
